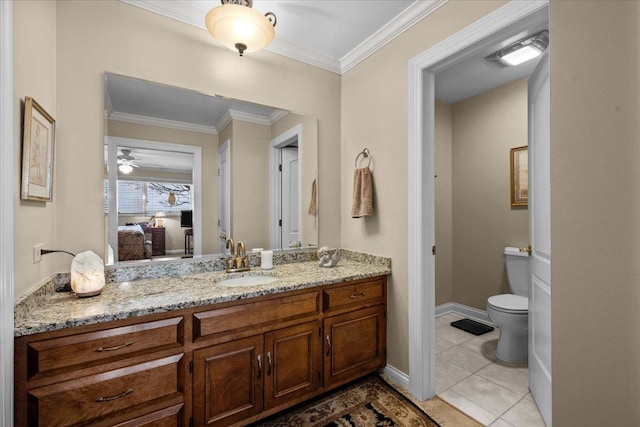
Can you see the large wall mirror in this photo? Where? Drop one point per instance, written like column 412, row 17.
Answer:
column 185, row 171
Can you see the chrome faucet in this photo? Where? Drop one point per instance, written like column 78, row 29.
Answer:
column 238, row 259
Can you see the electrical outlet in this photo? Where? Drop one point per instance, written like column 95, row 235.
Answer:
column 37, row 255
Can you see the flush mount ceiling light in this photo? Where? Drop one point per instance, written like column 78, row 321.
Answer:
column 240, row 27
column 521, row 51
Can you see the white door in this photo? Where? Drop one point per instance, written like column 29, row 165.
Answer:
column 224, row 201
column 290, row 196
column 540, row 231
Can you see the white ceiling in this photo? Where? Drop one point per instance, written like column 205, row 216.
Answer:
column 331, row 34
column 468, row 74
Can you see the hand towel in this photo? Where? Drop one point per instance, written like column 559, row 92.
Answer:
column 362, row 193
column 313, row 206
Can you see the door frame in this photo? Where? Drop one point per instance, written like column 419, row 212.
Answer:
column 421, row 191
column 226, row 148
column 275, row 186
column 7, row 214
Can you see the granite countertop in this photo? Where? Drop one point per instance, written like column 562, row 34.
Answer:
column 141, row 297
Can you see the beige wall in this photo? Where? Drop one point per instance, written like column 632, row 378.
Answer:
column 595, row 211
column 35, row 76
column 209, row 145
column 309, row 225
column 444, row 225
column 374, row 115
column 250, row 175
column 485, row 128
column 89, row 38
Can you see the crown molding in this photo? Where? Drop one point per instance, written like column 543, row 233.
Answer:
column 398, row 25
column 164, row 123
column 277, row 115
column 182, row 11
column 300, row 53
column 192, row 15
column 224, row 121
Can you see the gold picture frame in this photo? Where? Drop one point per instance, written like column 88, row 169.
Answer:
column 520, row 177
column 38, row 150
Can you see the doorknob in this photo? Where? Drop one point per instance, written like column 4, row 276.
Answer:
column 527, row 250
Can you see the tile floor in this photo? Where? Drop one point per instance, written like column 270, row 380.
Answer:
column 469, row 377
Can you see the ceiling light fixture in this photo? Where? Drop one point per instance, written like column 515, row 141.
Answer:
column 240, row 27
column 125, row 168
column 521, row 51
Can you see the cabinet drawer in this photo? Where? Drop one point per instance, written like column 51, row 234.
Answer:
column 254, row 314
column 86, row 398
column 359, row 293
column 167, row 417
column 97, row 346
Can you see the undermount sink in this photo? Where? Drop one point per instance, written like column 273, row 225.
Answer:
column 247, row 281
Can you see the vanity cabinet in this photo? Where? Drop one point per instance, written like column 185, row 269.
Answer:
column 355, row 337
column 242, row 378
column 103, row 374
column 229, row 363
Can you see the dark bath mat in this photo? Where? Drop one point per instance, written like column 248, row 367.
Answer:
column 471, row 326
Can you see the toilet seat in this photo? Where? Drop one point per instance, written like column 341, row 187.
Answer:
column 509, row 303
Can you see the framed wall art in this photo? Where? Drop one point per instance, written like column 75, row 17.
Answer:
column 519, row 177
column 38, row 149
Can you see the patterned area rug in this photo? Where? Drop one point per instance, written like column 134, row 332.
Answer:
column 370, row 402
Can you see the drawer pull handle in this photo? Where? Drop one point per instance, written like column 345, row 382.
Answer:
column 118, row 396
column 269, row 361
column 259, row 366
column 354, row 296
column 117, row 347
column 329, row 345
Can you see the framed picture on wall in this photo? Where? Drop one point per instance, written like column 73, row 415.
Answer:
column 519, row 177
column 37, row 153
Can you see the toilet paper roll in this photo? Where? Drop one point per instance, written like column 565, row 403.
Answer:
column 266, row 260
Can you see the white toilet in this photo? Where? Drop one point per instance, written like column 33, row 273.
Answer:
column 510, row 312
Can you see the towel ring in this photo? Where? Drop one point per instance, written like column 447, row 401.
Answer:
column 366, row 155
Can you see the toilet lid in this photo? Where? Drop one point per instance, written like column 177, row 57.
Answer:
column 509, row 302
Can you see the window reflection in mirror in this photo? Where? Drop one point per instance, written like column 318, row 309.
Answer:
column 245, row 171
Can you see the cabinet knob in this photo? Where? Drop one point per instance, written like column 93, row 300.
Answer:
column 328, row 345
column 269, row 362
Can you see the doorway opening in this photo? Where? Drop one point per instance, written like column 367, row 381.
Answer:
column 286, row 212
column 422, row 171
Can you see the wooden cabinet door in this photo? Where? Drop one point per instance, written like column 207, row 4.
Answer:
column 293, row 363
column 354, row 345
column 228, row 382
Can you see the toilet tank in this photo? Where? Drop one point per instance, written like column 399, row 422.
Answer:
column 517, row 271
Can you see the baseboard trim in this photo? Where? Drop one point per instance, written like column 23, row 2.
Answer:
column 396, row 376
column 463, row 310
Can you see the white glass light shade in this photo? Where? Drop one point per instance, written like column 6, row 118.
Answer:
column 234, row 24
column 125, row 168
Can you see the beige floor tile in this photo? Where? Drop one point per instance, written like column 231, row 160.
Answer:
column 465, row 358
column 446, row 319
column 452, row 334
column 443, row 344
column 529, row 397
column 501, row 423
column 468, row 407
column 486, row 394
column 510, row 378
column 484, row 344
column 448, row 374
column 524, row 414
